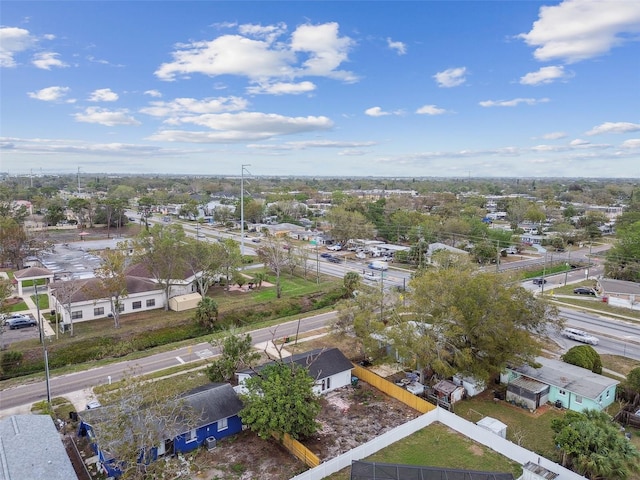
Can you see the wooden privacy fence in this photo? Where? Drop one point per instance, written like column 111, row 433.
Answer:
column 300, row 451
column 392, row 390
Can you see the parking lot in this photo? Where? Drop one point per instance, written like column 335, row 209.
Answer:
column 11, row 336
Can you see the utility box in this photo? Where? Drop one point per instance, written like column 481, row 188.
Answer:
column 210, row 443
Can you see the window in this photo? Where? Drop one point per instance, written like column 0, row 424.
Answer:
column 607, row 395
column 136, row 305
column 328, row 382
column 76, row 315
column 151, row 302
column 98, row 311
column 191, row 436
column 562, row 392
column 121, row 308
column 223, row 424
column 578, row 399
column 323, row 385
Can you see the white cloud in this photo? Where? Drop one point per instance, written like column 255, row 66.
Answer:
column 430, row 110
column 282, row 88
column 50, row 94
column 451, row 77
column 376, row 112
column 554, row 135
column 109, row 118
column 399, row 47
column 543, row 76
column 576, row 30
column 512, row 103
column 46, row 60
column 243, row 126
column 631, row 143
column 188, row 106
column 103, row 95
column 153, row 93
column 303, row 145
column 614, row 127
column 578, row 142
column 13, row 40
column 320, row 48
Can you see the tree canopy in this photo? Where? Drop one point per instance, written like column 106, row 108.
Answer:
column 592, row 445
column 237, row 354
column 280, row 399
column 584, row 356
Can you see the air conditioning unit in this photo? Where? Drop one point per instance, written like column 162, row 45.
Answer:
column 210, row 443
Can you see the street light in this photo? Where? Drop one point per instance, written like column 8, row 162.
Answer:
column 242, row 206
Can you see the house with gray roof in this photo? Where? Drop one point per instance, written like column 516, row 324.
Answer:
column 31, row 447
column 327, row 366
column 562, row 384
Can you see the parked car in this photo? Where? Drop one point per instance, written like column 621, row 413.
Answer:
column 584, row 291
column 23, row 322
column 580, row 336
column 335, row 248
column 539, row 281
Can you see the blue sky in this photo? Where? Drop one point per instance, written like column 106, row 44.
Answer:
column 331, row 88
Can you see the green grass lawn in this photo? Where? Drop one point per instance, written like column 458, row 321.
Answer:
column 439, row 446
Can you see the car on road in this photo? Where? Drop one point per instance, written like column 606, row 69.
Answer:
column 584, row 291
column 333, row 259
column 325, row 255
column 539, row 281
column 23, row 322
column 580, row 336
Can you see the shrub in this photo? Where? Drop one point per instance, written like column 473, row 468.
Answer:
column 584, row 356
column 10, row 360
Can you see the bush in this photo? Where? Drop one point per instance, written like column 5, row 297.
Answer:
column 10, row 360
column 584, row 356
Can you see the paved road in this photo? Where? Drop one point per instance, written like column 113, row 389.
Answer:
column 63, row 384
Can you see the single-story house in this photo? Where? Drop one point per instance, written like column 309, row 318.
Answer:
column 565, row 385
column 619, row 290
column 328, row 367
column 216, row 407
column 31, row 447
column 80, row 299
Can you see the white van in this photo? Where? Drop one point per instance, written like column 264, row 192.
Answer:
column 580, row 336
column 379, row 265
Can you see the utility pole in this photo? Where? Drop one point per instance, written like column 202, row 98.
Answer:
column 44, row 344
column 242, row 208
column 589, row 260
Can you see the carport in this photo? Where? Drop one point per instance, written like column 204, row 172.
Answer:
column 32, row 273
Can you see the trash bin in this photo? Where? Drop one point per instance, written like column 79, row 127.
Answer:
column 605, row 299
column 73, row 416
column 354, row 381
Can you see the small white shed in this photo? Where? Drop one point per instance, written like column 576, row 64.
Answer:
column 493, row 425
column 472, row 386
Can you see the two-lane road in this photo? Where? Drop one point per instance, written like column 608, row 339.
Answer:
column 63, row 384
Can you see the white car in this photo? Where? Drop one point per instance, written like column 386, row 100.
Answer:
column 580, row 336
column 335, row 248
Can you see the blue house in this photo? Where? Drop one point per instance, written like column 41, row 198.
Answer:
column 559, row 383
column 216, row 407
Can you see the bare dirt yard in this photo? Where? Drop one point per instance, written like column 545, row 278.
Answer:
column 350, row 417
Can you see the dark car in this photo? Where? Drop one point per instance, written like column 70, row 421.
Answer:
column 539, row 281
column 15, row 323
column 334, row 259
column 325, row 255
column 584, row 291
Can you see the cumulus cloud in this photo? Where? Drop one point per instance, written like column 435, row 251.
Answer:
column 103, row 95
column 554, row 135
column 282, row 88
column 376, row 112
column 631, row 143
column 50, row 94
column 578, row 142
column 153, row 93
column 311, row 50
column 614, row 127
column 576, row 30
column 399, row 47
column 544, row 75
column 304, row 145
column 451, row 77
column 512, row 103
column 430, row 110
column 46, row 60
column 189, row 106
column 109, row 118
column 13, row 40
column 243, row 126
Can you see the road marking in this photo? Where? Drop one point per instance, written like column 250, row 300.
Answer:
column 180, row 360
column 205, row 353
